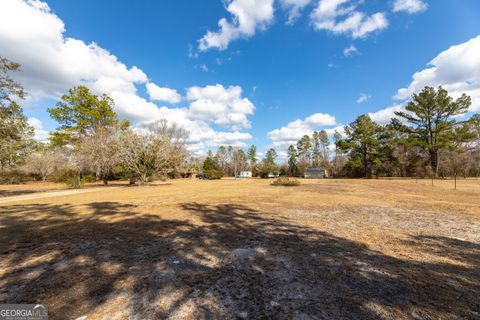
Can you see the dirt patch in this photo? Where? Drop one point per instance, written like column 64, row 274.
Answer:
column 247, row 250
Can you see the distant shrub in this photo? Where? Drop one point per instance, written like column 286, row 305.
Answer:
column 61, row 175
column 285, row 181
column 71, row 178
column 213, row 174
column 14, row 177
column 263, row 174
column 211, row 171
column 161, row 177
column 89, row 177
column 75, row 182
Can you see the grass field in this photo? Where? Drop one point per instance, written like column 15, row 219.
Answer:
column 188, row 249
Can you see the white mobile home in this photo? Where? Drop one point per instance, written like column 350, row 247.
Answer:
column 245, row 174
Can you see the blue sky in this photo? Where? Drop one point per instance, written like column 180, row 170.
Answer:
column 263, row 79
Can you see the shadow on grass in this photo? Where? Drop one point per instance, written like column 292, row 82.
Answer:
column 234, row 262
column 9, row 193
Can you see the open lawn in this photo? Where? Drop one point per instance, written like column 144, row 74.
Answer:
column 189, row 249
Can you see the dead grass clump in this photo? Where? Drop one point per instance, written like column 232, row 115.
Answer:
column 286, row 182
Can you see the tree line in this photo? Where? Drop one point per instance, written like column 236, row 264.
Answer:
column 90, row 142
column 427, row 139
column 430, row 138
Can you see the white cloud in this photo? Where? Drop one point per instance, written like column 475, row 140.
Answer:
column 40, row 133
column 363, row 98
column 457, row 69
column 350, row 51
column 285, row 136
column 224, row 106
column 234, row 139
column 384, row 116
column 33, row 36
column 320, row 120
column 248, row 16
column 52, row 63
column 162, row 94
column 289, row 134
column 340, row 129
column 201, row 135
column 410, row 6
column 341, row 17
column 294, row 8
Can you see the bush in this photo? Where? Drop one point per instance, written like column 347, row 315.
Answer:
column 13, row 177
column 286, row 182
column 71, row 178
column 75, row 182
column 89, row 177
column 213, row 174
column 211, row 170
column 61, row 175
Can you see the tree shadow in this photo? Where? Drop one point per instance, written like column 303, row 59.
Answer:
column 10, row 193
column 227, row 261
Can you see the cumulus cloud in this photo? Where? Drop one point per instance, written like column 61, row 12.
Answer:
column 162, row 94
column 41, row 134
column 52, row 63
column 248, row 16
column 457, row 69
column 350, row 51
column 33, row 36
column 342, row 17
column 384, row 116
column 285, row 136
column 294, row 8
column 409, row 6
column 320, row 120
column 224, row 106
column 363, row 98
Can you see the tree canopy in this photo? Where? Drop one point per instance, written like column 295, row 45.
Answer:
column 430, row 121
column 16, row 134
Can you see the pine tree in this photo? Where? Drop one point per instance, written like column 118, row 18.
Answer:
column 430, row 118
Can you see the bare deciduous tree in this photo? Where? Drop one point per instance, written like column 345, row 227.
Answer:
column 157, row 148
column 44, row 162
column 101, row 151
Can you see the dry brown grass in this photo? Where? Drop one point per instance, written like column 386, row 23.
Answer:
column 363, row 249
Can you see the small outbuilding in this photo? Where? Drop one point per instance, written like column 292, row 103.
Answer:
column 315, row 173
column 245, row 174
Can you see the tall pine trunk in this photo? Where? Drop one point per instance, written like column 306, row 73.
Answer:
column 434, row 161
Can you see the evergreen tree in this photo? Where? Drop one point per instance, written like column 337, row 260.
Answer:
column 16, row 134
column 89, row 124
column 363, row 144
column 292, row 160
column 316, row 149
column 323, row 137
column 252, row 156
column 430, row 118
column 81, row 113
column 211, row 169
column 268, row 163
column 304, row 153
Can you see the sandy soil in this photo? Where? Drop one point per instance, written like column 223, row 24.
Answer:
column 187, row 249
column 37, row 189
